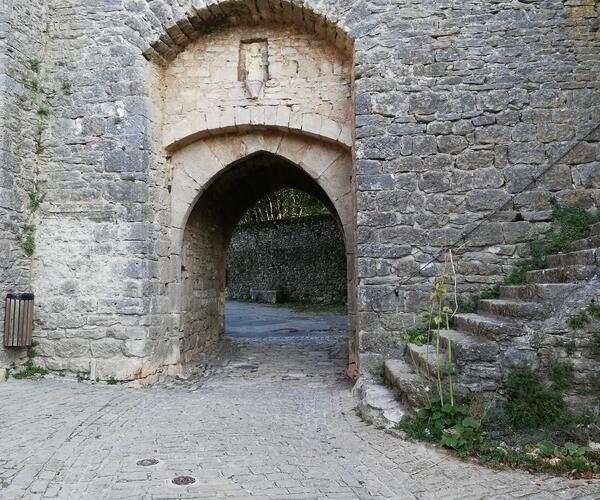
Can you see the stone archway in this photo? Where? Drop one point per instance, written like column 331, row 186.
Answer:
column 214, row 181
column 276, row 89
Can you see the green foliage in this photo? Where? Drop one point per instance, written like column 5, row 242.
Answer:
column 596, row 343
column 594, row 310
column 117, row 120
column 449, row 425
column 469, row 304
column 284, row 204
column 29, row 244
column 583, row 317
column 418, row 335
column 574, row 224
column 530, row 403
column 31, row 352
column 35, row 83
column 43, row 110
column 34, row 64
column 464, row 437
column 579, row 320
column 429, row 422
column 112, row 381
column 37, row 138
column 561, row 376
column 35, row 199
column 544, row 456
column 30, row 370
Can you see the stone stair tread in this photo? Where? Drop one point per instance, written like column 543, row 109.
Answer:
column 563, row 274
column 537, row 291
column 379, row 405
column 413, row 390
column 467, row 347
column 595, row 229
column 586, row 243
column 588, row 256
column 488, row 326
column 424, row 357
column 513, row 308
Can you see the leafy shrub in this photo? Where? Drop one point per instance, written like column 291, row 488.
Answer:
column 464, row 437
column 530, row 403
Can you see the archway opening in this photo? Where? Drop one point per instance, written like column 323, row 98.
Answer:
column 208, row 232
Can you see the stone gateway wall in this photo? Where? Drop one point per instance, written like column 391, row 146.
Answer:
column 416, row 118
column 303, row 258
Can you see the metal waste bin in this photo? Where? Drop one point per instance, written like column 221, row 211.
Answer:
column 18, row 319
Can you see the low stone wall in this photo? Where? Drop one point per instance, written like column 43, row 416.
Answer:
column 303, row 258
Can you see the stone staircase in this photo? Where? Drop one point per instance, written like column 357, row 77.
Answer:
column 486, row 343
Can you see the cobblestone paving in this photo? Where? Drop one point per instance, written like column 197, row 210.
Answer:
column 273, row 419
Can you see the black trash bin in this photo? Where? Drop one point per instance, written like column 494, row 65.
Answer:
column 18, row 319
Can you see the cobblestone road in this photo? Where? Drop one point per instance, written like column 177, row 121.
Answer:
column 273, row 419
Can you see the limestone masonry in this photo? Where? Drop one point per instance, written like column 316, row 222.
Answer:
column 304, row 259
column 134, row 134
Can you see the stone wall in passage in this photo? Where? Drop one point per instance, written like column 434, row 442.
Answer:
column 303, row 258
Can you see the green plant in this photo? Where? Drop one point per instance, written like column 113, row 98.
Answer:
column 34, row 64
column 418, row 335
column 112, row 381
column 43, row 110
column 35, row 199
column 430, row 422
column 31, row 352
column 561, row 376
column 29, row 244
column 117, row 120
column 30, row 370
column 35, row 83
column 594, row 310
column 37, row 138
column 469, row 303
column 578, row 320
column 464, row 437
column 595, row 343
column 530, row 403
column 573, row 224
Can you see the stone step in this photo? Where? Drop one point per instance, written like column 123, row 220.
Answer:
column 587, row 257
column 595, row 229
column 423, row 359
column 468, row 348
column 591, row 242
column 378, row 404
column 513, row 308
column 538, row 292
column 566, row 274
column 488, row 326
column 412, row 389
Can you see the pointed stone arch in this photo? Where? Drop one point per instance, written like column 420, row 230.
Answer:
column 211, row 180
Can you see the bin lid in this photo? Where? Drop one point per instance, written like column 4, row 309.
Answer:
column 20, row 296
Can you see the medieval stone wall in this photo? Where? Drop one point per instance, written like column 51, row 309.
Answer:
column 458, row 105
column 305, row 259
column 23, row 89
